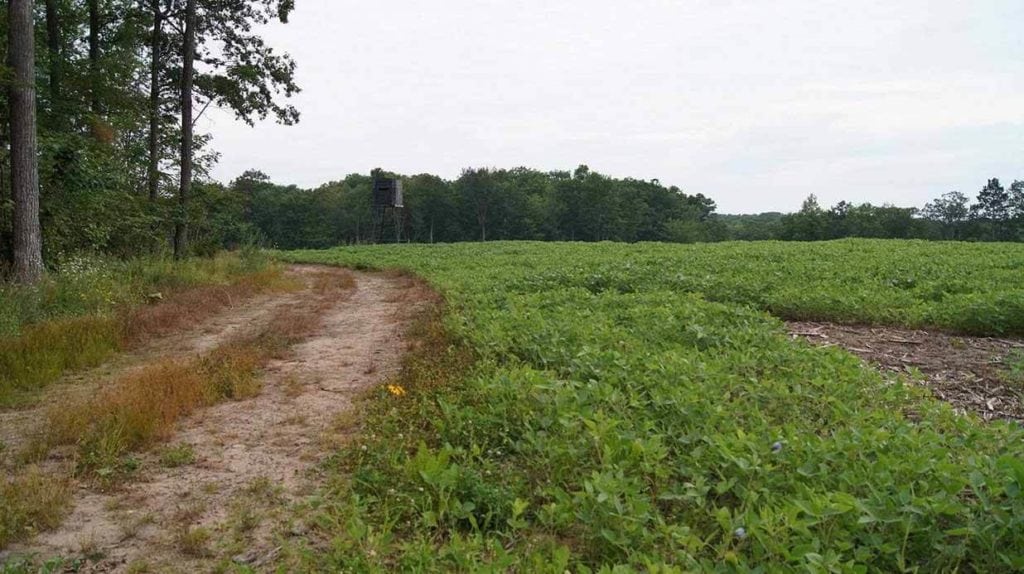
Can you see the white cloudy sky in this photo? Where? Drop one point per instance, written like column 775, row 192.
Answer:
column 756, row 103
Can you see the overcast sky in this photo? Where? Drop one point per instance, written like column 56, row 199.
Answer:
column 755, row 103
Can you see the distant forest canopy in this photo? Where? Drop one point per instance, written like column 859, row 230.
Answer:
column 523, row 203
column 481, row 205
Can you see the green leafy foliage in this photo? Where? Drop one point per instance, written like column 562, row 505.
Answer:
column 632, row 407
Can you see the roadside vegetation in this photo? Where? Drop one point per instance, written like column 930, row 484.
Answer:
column 586, row 406
column 93, row 308
column 101, row 434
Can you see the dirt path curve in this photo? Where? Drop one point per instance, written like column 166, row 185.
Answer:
column 252, row 457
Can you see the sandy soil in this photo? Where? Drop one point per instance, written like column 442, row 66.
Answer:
column 252, row 457
column 968, row 372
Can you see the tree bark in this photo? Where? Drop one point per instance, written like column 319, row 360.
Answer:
column 53, row 47
column 28, row 245
column 6, row 255
column 156, row 55
column 185, row 184
column 94, row 55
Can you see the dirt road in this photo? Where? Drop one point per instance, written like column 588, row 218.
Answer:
column 250, row 458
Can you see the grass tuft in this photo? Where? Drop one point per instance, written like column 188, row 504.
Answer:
column 177, row 455
column 31, row 502
column 194, row 541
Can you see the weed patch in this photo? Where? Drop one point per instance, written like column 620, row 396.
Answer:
column 194, row 541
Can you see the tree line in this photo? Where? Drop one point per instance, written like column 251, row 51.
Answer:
column 995, row 214
column 507, row 204
column 98, row 147
column 482, row 204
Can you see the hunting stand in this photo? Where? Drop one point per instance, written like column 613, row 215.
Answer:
column 387, row 208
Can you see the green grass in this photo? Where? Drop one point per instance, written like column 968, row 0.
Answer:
column 634, row 406
column 177, row 455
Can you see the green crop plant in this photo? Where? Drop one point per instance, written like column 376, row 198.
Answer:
column 640, row 407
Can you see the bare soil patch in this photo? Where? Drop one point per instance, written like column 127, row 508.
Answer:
column 967, row 372
column 247, row 460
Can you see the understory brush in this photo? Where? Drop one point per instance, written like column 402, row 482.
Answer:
column 570, row 413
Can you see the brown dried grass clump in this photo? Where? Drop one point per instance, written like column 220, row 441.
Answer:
column 136, row 410
column 334, row 283
column 192, row 305
column 43, row 352
column 142, row 407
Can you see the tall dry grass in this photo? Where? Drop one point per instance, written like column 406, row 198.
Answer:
column 45, row 351
column 41, row 353
column 142, row 407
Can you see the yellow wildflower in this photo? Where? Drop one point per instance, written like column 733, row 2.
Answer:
column 396, row 390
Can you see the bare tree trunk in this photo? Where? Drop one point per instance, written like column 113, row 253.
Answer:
column 185, row 184
column 28, row 245
column 156, row 55
column 53, row 47
column 5, row 223
column 94, row 55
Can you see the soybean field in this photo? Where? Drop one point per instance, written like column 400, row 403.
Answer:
column 642, row 407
